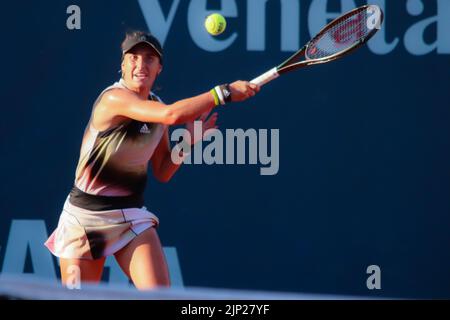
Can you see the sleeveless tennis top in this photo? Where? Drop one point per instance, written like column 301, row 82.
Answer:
column 114, row 162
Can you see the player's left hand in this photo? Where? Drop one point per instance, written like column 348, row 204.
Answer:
column 207, row 123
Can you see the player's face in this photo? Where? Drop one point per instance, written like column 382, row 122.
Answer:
column 140, row 67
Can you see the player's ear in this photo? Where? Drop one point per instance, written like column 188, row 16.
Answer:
column 160, row 69
column 122, row 66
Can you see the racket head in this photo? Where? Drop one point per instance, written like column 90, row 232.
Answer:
column 337, row 39
column 345, row 34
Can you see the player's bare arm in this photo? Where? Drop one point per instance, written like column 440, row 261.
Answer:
column 117, row 105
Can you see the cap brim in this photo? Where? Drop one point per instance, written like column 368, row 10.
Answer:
column 146, row 42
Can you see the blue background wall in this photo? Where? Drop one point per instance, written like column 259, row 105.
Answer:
column 364, row 149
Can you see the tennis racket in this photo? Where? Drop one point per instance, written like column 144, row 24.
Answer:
column 337, row 39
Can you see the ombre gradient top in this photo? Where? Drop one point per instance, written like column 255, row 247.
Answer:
column 114, row 162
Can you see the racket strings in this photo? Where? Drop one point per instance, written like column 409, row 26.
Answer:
column 339, row 36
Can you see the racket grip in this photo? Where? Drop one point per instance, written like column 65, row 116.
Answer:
column 266, row 77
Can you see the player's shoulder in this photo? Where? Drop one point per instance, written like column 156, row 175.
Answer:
column 118, row 92
column 117, row 95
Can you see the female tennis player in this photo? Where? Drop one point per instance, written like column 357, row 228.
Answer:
column 104, row 214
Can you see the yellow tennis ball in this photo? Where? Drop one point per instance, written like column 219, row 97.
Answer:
column 215, row 24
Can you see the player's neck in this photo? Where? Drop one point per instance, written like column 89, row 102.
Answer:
column 142, row 92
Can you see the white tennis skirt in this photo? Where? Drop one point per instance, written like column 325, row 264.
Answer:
column 86, row 234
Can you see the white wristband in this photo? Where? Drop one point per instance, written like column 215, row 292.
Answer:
column 219, row 94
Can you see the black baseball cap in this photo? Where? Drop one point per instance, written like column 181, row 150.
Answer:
column 137, row 37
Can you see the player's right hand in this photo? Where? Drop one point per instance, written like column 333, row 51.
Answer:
column 242, row 90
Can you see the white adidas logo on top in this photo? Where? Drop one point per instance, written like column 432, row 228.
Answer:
column 145, row 129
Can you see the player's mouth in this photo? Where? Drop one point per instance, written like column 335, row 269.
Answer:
column 140, row 76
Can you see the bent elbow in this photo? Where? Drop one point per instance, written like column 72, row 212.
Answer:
column 171, row 117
